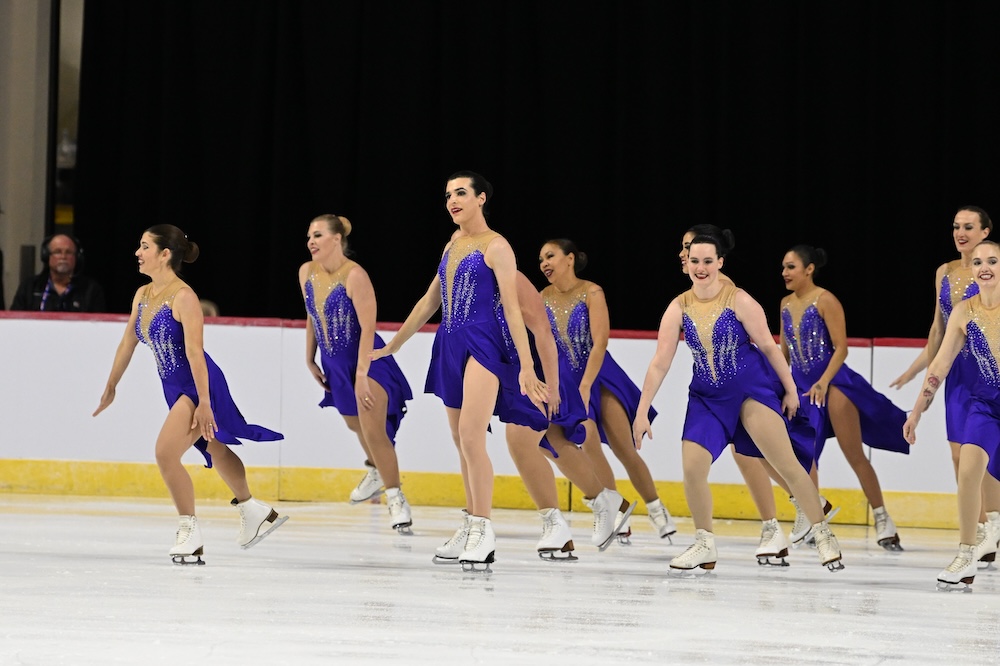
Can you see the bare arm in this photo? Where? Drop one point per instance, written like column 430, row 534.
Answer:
column 751, row 315
column 314, row 368
column 666, row 346
column 784, row 341
column 537, row 320
column 425, row 308
column 500, row 258
column 187, row 310
column 362, row 294
column 833, row 314
column 952, row 343
column 123, row 356
column 934, row 337
column 600, row 329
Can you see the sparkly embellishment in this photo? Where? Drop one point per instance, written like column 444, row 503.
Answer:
column 334, row 318
column 462, row 265
column 714, row 335
column 957, row 285
column 809, row 343
column 983, row 331
column 158, row 329
column 570, row 321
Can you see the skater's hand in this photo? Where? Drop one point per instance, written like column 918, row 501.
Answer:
column 318, row 375
column 816, row 395
column 553, row 404
column 641, row 428
column 534, row 388
column 901, row 381
column 363, row 393
column 204, row 421
column 387, row 350
column 790, row 404
column 910, row 428
column 106, row 400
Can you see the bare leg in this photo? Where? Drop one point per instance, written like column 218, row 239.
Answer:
column 535, row 471
column 480, row 392
column 595, row 451
column 773, row 473
column 769, row 433
column 991, row 495
column 847, row 427
column 174, row 439
column 697, row 462
column 955, row 460
column 971, row 468
column 574, row 464
column 375, row 440
column 758, row 484
column 619, row 432
column 453, row 415
column 230, row 468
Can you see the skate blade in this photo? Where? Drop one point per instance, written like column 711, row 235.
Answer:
column 834, row 566
column 891, row 544
column 444, row 560
column 279, row 521
column 986, row 565
column 625, row 538
column 468, row 566
column 615, row 532
column 377, row 494
column 564, row 554
column 182, row 560
column 964, row 586
column 699, row 571
column 404, row 529
column 667, row 535
column 772, row 561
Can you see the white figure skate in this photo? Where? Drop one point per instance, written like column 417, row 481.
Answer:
column 450, row 550
column 826, row 546
column 606, row 505
column 480, row 549
column 699, row 558
column 369, row 487
column 961, row 572
column 985, row 550
column 257, row 520
column 801, row 527
column 773, row 548
column 662, row 522
column 399, row 511
column 189, row 543
column 556, row 544
column 885, row 530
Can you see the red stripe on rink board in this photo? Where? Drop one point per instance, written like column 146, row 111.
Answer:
column 621, row 334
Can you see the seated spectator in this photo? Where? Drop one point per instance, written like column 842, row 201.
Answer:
column 60, row 287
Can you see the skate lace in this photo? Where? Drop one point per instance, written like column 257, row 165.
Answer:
column 768, row 532
column 981, row 534
column 881, row 523
column 826, row 543
column 396, row 504
column 184, row 533
column 460, row 535
column 961, row 561
column 659, row 517
column 548, row 525
column 476, row 534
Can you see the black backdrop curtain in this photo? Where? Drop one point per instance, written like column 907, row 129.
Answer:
column 859, row 127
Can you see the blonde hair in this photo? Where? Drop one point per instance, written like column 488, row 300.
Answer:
column 338, row 224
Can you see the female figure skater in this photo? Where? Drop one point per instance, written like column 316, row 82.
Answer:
column 166, row 315
column 973, row 327
column 757, row 474
column 727, row 333
column 469, row 361
column 578, row 313
column 841, row 402
column 953, row 283
column 370, row 395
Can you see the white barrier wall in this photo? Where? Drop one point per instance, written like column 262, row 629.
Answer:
column 54, row 371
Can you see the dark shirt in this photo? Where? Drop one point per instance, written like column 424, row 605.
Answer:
column 83, row 295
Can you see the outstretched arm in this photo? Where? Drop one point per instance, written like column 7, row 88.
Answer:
column 952, row 343
column 934, row 337
column 666, row 347
column 425, row 308
column 123, row 355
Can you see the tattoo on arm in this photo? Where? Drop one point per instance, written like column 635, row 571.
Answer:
column 930, row 388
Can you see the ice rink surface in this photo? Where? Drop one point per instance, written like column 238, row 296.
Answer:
column 88, row 581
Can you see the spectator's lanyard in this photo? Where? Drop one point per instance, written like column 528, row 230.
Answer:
column 49, row 289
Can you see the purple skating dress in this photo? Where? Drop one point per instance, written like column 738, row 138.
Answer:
column 338, row 334
column 728, row 370
column 810, row 349
column 470, row 328
column 569, row 317
column 982, row 413
column 156, row 327
column 957, row 285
